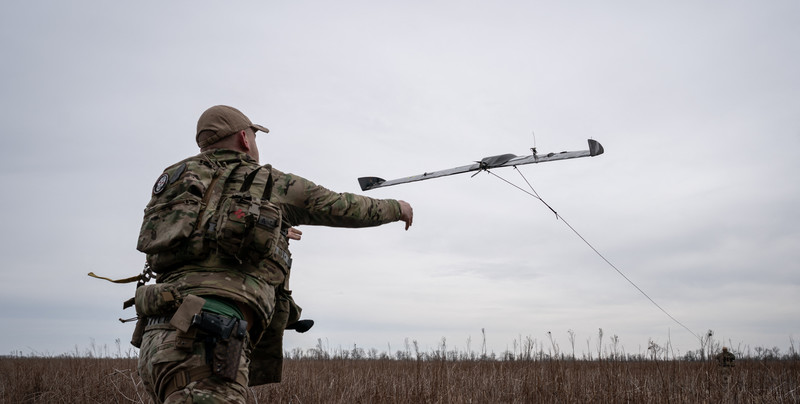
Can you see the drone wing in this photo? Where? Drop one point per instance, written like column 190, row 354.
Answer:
column 503, row 160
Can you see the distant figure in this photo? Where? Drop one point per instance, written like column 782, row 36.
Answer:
column 725, row 358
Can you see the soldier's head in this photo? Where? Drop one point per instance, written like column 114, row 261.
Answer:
column 724, row 349
column 224, row 127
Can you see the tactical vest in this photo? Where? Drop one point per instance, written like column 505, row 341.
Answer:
column 193, row 213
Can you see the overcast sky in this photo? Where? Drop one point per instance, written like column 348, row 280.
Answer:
column 695, row 200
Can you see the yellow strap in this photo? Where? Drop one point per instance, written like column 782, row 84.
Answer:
column 126, row 280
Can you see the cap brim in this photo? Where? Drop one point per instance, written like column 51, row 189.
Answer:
column 261, row 128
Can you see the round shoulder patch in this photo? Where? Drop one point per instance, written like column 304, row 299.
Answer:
column 161, row 184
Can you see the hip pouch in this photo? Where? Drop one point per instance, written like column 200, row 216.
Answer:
column 152, row 301
column 157, row 300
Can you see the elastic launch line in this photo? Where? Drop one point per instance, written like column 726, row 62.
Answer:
column 536, row 195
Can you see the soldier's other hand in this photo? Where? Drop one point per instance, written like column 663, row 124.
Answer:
column 294, row 234
column 406, row 213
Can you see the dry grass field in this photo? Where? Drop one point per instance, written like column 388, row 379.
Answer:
column 68, row 379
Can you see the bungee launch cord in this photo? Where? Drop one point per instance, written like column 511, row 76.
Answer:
column 535, row 194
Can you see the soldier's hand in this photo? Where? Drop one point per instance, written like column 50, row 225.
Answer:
column 294, row 234
column 406, row 213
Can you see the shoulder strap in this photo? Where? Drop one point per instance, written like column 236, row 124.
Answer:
column 248, row 180
column 216, row 188
column 268, row 189
column 265, row 186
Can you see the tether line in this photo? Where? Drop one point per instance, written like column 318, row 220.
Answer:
column 535, row 194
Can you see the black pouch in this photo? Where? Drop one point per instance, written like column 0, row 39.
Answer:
column 227, row 355
column 225, row 342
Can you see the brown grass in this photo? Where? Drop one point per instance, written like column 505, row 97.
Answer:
column 69, row 380
column 93, row 380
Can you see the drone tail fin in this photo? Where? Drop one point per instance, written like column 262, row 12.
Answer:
column 368, row 183
column 595, row 148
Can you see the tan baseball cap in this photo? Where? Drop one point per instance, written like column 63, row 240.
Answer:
column 222, row 121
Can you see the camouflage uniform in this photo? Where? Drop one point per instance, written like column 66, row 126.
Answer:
column 180, row 374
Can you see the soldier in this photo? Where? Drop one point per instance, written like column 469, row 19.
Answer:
column 216, row 235
column 725, row 358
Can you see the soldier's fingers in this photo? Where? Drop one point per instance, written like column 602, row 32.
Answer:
column 294, row 234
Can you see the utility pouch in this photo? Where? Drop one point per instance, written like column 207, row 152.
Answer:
column 182, row 320
column 267, row 231
column 249, row 224
column 238, row 215
column 167, row 225
column 167, row 233
column 280, row 252
column 157, row 300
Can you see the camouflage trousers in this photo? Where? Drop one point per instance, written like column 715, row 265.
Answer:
column 172, row 375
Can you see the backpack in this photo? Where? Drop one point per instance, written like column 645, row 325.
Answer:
column 189, row 215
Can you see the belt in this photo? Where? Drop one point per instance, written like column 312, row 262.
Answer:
column 218, row 317
column 159, row 320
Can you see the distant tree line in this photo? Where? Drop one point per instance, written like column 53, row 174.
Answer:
column 531, row 349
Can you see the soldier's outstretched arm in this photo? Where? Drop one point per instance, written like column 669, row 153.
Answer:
column 304, row 202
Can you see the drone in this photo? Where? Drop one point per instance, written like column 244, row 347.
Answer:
column 501, row 160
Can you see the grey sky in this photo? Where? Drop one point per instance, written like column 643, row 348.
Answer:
column 695, row 199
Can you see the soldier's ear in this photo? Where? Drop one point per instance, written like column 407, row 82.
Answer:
column 241, row 140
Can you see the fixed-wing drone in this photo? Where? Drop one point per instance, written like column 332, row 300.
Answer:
column 510, row 160
column 502, row 160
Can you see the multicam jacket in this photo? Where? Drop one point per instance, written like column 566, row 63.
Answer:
column 300, row 201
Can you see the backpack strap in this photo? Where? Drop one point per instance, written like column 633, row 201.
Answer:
column 261, row 187
column 214, row 192
column 268, row 189
column 248, row 180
